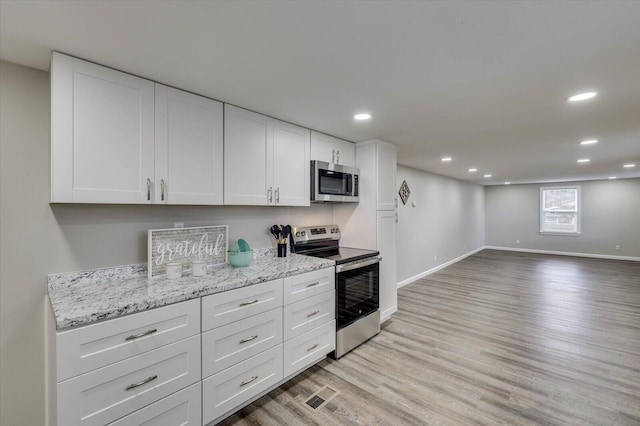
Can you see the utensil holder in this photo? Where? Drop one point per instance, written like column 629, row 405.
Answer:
column 282, row 250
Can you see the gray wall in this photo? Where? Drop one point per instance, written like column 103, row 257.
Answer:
column 447, row 221
column 610, row 217
column 37, row 238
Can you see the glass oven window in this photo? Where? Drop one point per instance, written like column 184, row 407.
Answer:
column 357, row 293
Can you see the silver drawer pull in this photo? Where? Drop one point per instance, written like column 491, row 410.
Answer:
column 144, row 382
column 137, row 336
column 313, row 313
column 312, row 284
column 248, row 381
column 312, row 347
column 249, row 303
column 248, row 339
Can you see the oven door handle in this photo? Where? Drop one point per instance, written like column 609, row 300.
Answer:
column 345, row 268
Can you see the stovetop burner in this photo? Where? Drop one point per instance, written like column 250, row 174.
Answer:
column 322, row 241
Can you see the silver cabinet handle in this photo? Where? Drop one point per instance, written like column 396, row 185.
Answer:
column 248, row 381
column 338, row 157
column 396, row 217
column 313, row 284
column 270, row 195
column 248, row 339
column 148, row 189
column 278, row 195
column 144, row 382
column 249, row 303
column 162, row 189
column 333, row 155
column 312, row 347
column 137, row 336
column 313, row 313
column 395, row 201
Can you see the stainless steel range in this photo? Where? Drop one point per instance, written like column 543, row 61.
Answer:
column 357, row 283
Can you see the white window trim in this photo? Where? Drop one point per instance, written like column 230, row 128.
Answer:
column 578, row 211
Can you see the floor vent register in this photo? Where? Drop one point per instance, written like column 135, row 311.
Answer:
column 321, row 398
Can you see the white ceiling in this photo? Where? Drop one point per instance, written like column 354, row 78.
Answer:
column 484, row 82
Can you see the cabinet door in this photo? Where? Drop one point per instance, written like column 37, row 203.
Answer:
column 386, row 236
column 321, row 146
column 386, row 163
column 248, row 157
column 188, row 148
column 345, row 153
column 291, row 169
column 102, row 141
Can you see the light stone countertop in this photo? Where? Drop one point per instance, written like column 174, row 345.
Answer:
column 81, row 298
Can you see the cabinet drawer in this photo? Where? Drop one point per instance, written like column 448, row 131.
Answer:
column 301, row 286
column 94, row 346
column 181, row 408
column 232, row 387
column 104, row 395
column 227, row 345
column 309, row 348
column 308, row 314
column 233, row 305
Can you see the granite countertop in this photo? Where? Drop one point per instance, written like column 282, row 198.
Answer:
column 81, row 298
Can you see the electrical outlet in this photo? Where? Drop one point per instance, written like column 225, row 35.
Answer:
column 618, row 247
column 517, row 241
column 178, row 224
column 435, row 257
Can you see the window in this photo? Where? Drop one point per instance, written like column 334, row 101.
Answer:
column 560, row 210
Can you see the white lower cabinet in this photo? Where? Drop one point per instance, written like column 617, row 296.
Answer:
column 308, row 314
column 235, row 342
column 309, row 348
column 183, row 408
column 231, row 388
column 106, row 394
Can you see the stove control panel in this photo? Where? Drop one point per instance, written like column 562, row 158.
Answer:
column 301, row 234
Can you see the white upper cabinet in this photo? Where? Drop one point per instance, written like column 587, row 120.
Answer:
column 188, row 148
column 291, row 168
column 102, row 134
column 266, row 160
column 386, row 165
column 121, row 139
column 332, row 150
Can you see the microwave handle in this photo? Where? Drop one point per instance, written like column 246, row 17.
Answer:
column 345, row 268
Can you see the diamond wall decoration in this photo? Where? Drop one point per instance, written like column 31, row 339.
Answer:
column 404, row 192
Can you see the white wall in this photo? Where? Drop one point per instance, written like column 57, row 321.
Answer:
column 37, row 238
column 447, row 221
column 610, row 217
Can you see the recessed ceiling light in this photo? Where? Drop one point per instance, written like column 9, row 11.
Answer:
column 473, row 170
column 628, row 166
column 487, row 176
column 507, row 183
column 612, row 177
column 589, row 142
column 362, row 116
column 445, row 159
column 582, row 96
column 583, row 160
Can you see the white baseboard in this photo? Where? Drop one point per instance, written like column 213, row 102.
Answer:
column 565, row 253
column 437, row 268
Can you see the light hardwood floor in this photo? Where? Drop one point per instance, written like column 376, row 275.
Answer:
column 497, row 338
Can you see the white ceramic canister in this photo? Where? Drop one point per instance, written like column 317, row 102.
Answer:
column 174, row 270
column 199, row 268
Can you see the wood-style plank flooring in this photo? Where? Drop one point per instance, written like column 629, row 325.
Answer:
column 497, row 338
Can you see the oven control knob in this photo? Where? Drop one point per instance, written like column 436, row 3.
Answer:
column 297, row 234
column 303, row 233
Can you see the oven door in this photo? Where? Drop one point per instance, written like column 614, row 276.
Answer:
column 357, row 290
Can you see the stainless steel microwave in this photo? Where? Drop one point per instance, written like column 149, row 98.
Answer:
column 332, row 183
